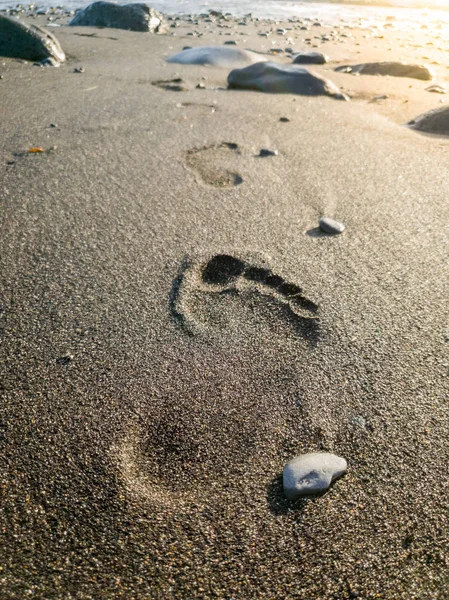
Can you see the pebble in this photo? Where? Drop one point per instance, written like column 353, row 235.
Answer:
column 437, row 89
column 331, row 226
column 310, row 58
column 311, row 473
column 266, row 152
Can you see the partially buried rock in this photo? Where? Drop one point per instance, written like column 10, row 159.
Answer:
column 275, row 78
column 434, row 121
column 331, row 226
column 133, row 17
column 393, row 69
column 28, row 42
column 216, row 56
column 311, row 474
column 310, row 58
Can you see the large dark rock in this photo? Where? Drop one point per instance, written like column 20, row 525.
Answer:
column 394, row 69
column 29, row 42
column 216, row 56
column 276, row 78
column 133, row 17
column 310, row 58
column 433, row 121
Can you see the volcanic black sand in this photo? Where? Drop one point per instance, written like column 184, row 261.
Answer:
column 175, row 328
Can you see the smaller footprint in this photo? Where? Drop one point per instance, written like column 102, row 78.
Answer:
column 207, row 161
column 228, row 274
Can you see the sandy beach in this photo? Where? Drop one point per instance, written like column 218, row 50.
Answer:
column 146, row 417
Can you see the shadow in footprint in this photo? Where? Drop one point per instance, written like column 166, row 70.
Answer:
column 228, row 275
column 207, row 161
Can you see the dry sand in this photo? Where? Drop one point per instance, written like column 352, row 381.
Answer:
column 141, row 458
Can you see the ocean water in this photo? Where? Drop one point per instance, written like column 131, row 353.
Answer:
column 410, row 14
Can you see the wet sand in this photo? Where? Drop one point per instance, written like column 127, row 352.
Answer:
column 142, row 457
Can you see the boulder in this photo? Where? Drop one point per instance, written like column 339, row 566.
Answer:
column 133, row 17
column 393, row 69
column 310, row 58
column 217, row 56
column 434, row 121
column 275, row 78
column 29, row 42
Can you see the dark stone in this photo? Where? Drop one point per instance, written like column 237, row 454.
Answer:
column 434, row 121
column 28, row 42
column 276, row 78
column 310, row 58
column 266, row 152
column 133, row 17
column 393, row 69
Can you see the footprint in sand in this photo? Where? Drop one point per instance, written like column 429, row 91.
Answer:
column 202, row 284
column 206, row 163
column 179, row 452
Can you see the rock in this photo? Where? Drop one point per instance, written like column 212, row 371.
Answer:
column 133, row 17
column 311, row 474
column 393, row 69
column 434, row 121
column 284, row 120
column 436, row 89
column 330, row 226
column 266, row 152
column 28, row 42
column 217, row 56
column 310, row 58
column 276, row 78
column 230, row 43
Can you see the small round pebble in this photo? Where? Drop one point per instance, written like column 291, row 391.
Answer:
column 311, row 473
column 331, row 226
